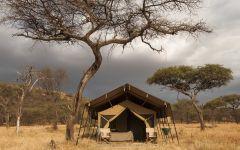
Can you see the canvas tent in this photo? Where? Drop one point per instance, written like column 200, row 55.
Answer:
column 127, row 109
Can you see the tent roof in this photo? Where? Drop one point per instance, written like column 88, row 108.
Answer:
column 112, row 110
column 133, row 94
column 127, row 105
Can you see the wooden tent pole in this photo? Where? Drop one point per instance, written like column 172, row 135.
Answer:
column 169, row 127
column 158, row 129
column 159, row 126
column 163, row 122
column 166, row 121
column 174, row 125
column 81, row 122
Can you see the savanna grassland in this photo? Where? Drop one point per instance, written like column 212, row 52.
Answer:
column 218, row 137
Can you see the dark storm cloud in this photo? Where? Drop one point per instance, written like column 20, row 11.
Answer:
column 134, row 66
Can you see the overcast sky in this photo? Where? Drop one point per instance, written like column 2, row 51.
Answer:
column 136, row 64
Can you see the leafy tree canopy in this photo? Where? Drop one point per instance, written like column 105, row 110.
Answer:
column 189, row 80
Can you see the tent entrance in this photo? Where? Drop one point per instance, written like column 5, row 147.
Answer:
column 128, row 121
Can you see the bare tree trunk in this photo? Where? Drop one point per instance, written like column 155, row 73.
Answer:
column 78, row 97
column 18, row 124
column 19, row 113
column 199, row 112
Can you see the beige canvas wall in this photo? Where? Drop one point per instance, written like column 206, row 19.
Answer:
column 117, row 110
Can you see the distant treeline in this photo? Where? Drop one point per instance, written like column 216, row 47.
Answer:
column 221, row 109
column 39, row 107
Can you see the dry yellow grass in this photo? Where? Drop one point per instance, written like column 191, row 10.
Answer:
column 221, row 137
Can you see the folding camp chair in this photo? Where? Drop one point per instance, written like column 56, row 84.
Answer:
column 151, row 135
column 104, row 134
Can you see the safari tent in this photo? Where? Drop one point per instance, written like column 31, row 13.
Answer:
column 127, row 114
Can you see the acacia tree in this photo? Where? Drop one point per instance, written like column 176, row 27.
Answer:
column 27, row 79
column 100, row 23
column 190, row 81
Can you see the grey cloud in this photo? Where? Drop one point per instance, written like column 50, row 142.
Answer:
column 221, row 12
